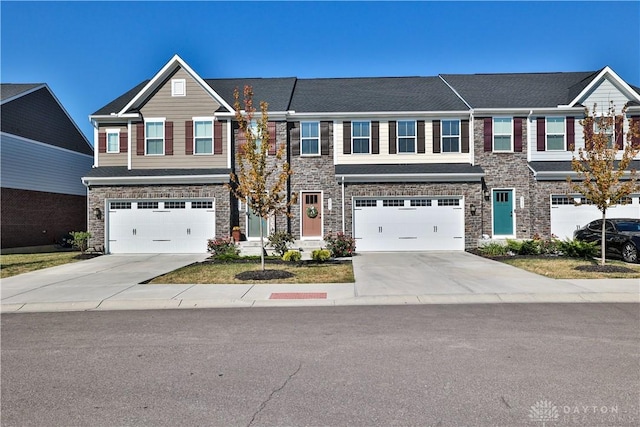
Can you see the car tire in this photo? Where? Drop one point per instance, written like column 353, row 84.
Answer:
column 629, row 252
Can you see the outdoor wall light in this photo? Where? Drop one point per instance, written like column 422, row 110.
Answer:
column 485, row 193
column 97, row 213
column 472, row 209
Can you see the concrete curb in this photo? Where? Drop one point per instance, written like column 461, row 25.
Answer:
column 445, row 299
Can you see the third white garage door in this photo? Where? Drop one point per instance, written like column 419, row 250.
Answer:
column 160, row 226
column 408, row 224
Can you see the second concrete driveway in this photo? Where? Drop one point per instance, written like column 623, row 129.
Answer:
column 429, row 273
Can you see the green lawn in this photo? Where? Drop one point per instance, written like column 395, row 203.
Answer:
column 11, row 265
column 224, row 273
column 564, row 268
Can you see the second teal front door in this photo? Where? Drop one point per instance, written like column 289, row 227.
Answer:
column 503, row 212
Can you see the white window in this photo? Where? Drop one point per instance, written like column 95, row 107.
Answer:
column 555, row 134
column 202, row 135
column 360, row 137
column 154, row 137
column 178, row 87
column 310, row 138
column 502, row 134
column 113, row 140
column 450, row 136
column 406, row 136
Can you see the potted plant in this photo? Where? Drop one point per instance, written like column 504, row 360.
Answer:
column 236, row 233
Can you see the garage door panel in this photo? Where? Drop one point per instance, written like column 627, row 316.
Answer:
column 409, row 225
column 161, row 227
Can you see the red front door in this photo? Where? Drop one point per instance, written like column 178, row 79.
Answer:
column 311, row 214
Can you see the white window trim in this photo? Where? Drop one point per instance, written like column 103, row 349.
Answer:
column 213, row 131
column 361, row 137
column 174, row 84
column 112, row 131
column 442, row 136
column 308, row 138
column 493, row 137
column 415, row 137
column 564, row 133
column 321, row 203
column 513, row 216
column 154, row 120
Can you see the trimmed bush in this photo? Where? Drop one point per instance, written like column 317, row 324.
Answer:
column 529, row 247
column 340, row 245
column 280, row 242
column 292, row 256
column 494, row 249
column 514, row 246
column 578, row 249
column 224, row 247
column 80, row 240
column 320, row 255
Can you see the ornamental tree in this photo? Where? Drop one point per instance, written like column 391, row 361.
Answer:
column 603, row 165
column 260, row 179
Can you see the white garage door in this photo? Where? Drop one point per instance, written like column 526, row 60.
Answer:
column 566, row 216
column 163, row 226
column 412, row 224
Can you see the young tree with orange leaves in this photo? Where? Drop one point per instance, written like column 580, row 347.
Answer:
column 604, row 163
column 260, row 179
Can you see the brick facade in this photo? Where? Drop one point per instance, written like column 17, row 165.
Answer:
column 33, row 218
column 99, row 195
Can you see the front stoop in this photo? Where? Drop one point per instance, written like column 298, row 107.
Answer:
column 306, row 247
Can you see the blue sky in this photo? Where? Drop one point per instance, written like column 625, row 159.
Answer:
column 91, row 52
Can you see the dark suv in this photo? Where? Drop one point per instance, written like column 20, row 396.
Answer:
column 622, row 236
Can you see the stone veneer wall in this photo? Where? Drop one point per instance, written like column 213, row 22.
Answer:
column 98, row 195
column 472, row 193
column 317, row 173
column 541, row 192
column 506, row 171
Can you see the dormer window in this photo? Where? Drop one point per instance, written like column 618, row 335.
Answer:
column 178, row 87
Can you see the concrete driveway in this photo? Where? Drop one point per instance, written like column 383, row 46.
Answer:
column 94, row 279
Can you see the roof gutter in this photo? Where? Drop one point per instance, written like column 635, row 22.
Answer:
column 411, row 177
column 177, row 179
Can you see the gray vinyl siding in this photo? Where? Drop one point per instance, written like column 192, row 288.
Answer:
column 603, row 94
column 196, row 103
column 112, row 159
column 40, row 167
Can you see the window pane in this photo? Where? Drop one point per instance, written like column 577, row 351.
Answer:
column 407, row 128
column 361, row 145
column 502, row 126
column 204, row 146
column 310, row 146
column 555, row 142
column 450, row 127
column 154, row 129
column 450, row 144
column 360, row 129
column 203, row 129
column 502, row 143
column 406, row 145
column 112, row 142
column 155, row 146
column 555, row 125
column 310, row 130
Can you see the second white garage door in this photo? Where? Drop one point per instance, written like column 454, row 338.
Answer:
column 160, row 226
column 411, row 224
column 566, row 216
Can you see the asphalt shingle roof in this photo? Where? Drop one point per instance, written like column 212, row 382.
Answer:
column 9, row 90
column 374, row 94
column 422, row 168
column 122, row 171
column 275, row 91
column 565, row 166
column 522, row 90
column 118, row 104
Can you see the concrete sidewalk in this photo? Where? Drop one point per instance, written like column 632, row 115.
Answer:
column 112, row 283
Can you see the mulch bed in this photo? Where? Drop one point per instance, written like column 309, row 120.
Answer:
column 264, row 275
column 87, row 256
column 607, row 268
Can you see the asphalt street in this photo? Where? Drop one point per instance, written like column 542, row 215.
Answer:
column 430, row 365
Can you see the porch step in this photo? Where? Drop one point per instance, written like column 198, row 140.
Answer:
column 306, row 247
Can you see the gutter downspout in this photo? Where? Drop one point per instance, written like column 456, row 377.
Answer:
column 343, row 204
column 95, row 142
column 529, row 148
column 129, row 146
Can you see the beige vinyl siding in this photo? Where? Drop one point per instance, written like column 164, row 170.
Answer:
column 603, row 94
column 385, row 158
column 178, row 109
column 112, row 159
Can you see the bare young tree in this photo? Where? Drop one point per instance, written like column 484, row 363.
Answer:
column 260, row 179
column 603, row 165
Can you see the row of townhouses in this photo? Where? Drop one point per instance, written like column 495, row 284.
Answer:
column 399, row 163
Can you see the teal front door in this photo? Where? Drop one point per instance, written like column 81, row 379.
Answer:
column 503, row 212
column 253, row 227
